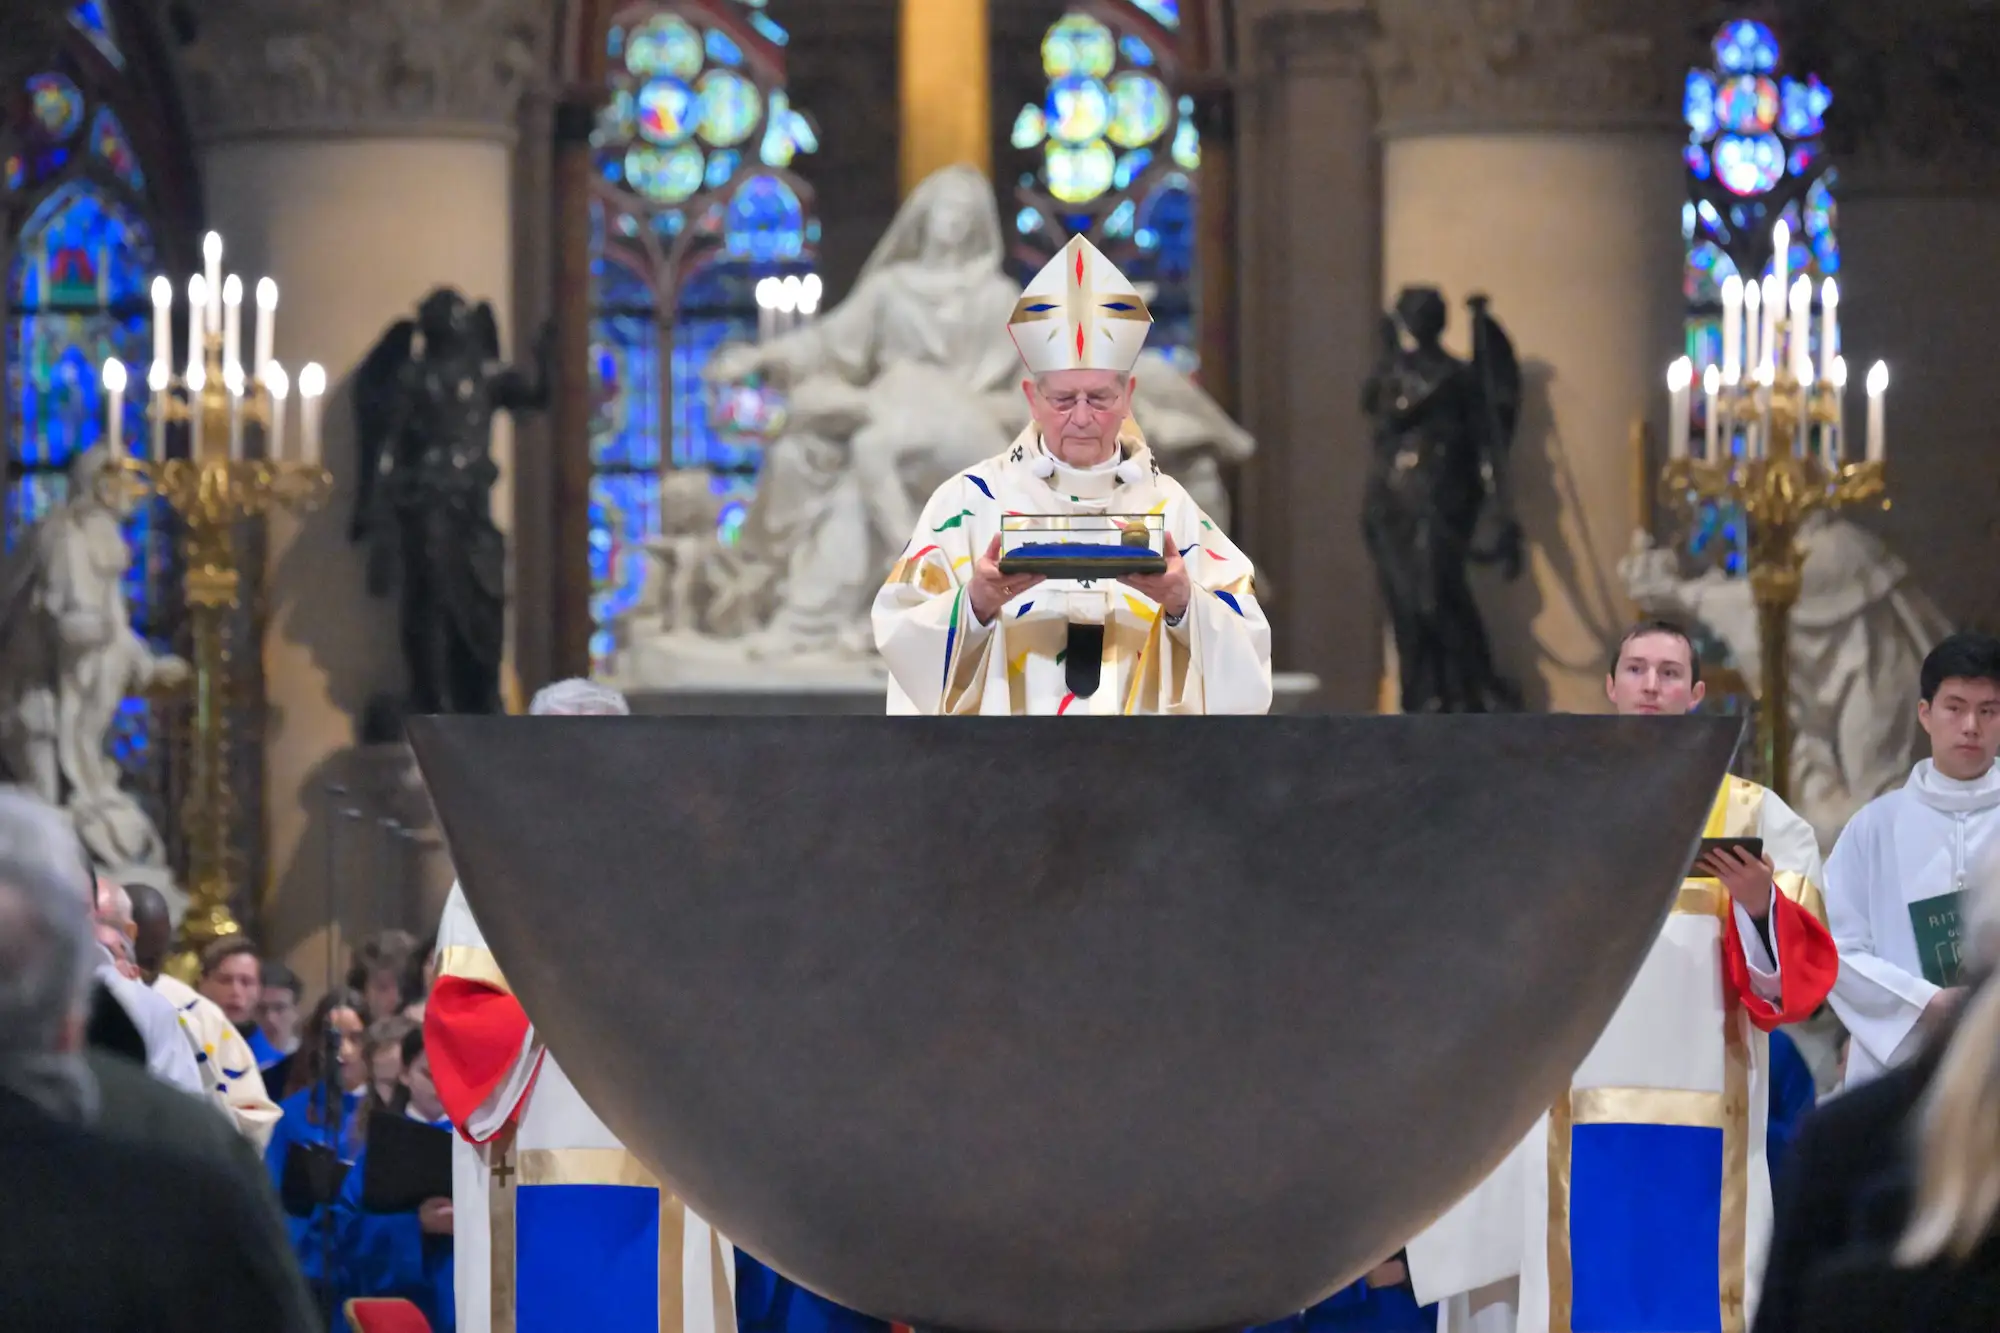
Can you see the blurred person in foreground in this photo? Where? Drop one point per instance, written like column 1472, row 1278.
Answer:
column 221, row 1055
column 541, row 1190
column 1889, row 1220
column 103, row 1230
column 1642, row 1200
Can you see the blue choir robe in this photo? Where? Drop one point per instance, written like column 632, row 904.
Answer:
column 293, row 1127
column 261, row 1047
column 388, row 1254
column 1793, row 1093
column 769, row 1302
column 1360, row 1308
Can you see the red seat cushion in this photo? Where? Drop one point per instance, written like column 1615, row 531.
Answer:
column 386, row 1316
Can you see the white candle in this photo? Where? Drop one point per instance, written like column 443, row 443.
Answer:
column 810, row 292
column 114, row 391
column 232, row 322
column 1732, row 328
column 211, row 253
column 788, row 304
column 1781, row 253
column 267, row 323
column 312, row 384
column 1753, row 304
column 767, row 308
column 1878, row 386
column 163, row 321
column 1679, row 374
column 1765, row 375
column 232, row 380
column 197, row 380
column 1829, row 327
column 1837, row 448
column 1767, row 341
column 279, row 385
column 197, row 311
column 157, row 380
column 1802, row 330
column 1711, row 386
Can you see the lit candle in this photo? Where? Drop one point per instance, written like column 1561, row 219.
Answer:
column 767, row 308
column 1767, row 341
column 163, row 321
column 232, row 380
column 232, row 322
column 1781, row 253
column 157, row 380
column 312, row 384
column 279, row 384
column 114, row 390
column 788, row 303
column 267, row 323
column 197, row 380
column 1801, row 330
column 1753, row 304
column 1829, row 327
column 1732, row 328
column 197, row 311
column 1765, row 377
column 1711, row 386
column 1878, row 385
column 810, row 292
column 211, row 253
column 1836, row 447
column 1680, row 373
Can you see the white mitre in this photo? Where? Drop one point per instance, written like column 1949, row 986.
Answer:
column 1080, row 313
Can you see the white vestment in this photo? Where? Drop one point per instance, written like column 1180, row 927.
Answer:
column 1677, row 1083
column 1924, row 843
column 941, row 660
column 555, row 1140
column 168, row 1057
column 224, row 1059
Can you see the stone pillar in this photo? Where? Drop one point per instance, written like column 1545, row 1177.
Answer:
column 1536, row 161
column 1309, row 249
column 360, row 155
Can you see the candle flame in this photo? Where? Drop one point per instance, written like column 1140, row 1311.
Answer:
column 312, row 380
column 232, row 290
column 197, row 290
column 1878, row 380
column 277, row 381
column 211, row 247
column 1839, row 372
column 163, row 292
column 1679, row 374
column 157, row 377
column 1711, row 381
column 267, row 294
column 1732, row 289
column 1829, row 293
column 114, row 375
column 1752, row 298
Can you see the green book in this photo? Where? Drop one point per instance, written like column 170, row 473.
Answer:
column 1936, row 922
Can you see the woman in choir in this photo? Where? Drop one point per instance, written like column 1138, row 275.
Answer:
column 328, row 1080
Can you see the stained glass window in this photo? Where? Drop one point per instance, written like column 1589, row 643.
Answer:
column 696, row 200
column 1118, row 152
column 1753, row 157
column 86, row 241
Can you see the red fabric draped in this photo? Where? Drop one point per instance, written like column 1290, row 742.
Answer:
column 472, row 1034
column 1808, row 964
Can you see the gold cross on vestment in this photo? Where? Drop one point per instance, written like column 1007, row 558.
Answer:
column 503, row 1170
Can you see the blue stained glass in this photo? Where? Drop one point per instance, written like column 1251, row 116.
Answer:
column 1697, row 161
column 1688, row 218
column 696, row 442
column 1028, row 221
column 1797, row 120
column 1801, row 160
column 766, row 222
column 1135, row 50
column 1698, row 105
column 769, row 30
column 625, row 374
column 1166, row 12
column 90, row 18
column 1746, row 47
column 721, row 166
column 1749, row 165
column 1169, row 214
column 1131, row 166
column 1119, row 225
column 624, row 511
column 722, row 48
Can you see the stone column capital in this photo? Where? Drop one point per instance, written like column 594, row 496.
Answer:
column 364, row 68
column 1308, row 36
column 1495, row 66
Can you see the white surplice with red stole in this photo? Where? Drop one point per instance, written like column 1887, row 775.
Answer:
column 942, row 660
column 1642, row 1201
column 556, row 1226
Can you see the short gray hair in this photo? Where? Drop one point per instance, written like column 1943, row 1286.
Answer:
column 35, row 833
column 579, row 698
column 48, row 957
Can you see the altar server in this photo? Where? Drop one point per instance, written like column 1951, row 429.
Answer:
column 960, row 637
column 1896, row 876
column 556, row 1226
column 1642, row 1201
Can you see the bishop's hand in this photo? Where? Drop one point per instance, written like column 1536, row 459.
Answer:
column 1751, row 881
column 1171, row 589
column 991, row 589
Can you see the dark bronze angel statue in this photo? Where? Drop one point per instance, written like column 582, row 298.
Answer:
column 424, row 402
column 1437, row 498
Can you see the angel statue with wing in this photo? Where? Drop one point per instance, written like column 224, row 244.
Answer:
column 423, row 404
column 1437, row 498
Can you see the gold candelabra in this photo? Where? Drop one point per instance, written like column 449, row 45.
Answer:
column 1774, row 448
column 216, row 487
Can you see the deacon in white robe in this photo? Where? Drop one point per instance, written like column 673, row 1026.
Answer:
column 1902, row 865
column 556, row 1226
column 959, row 637
column 224, row 1060
column 1642, row 1201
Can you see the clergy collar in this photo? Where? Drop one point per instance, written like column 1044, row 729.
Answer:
column 1123, row 468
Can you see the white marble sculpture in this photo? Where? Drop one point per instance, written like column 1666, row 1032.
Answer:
column 68, row 658
column 1859, row 634
column 909, row 380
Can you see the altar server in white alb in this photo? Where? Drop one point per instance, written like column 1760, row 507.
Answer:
column 1903, row 863
column 1641, row 1203
column 960, row 637
column 556, row 1226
